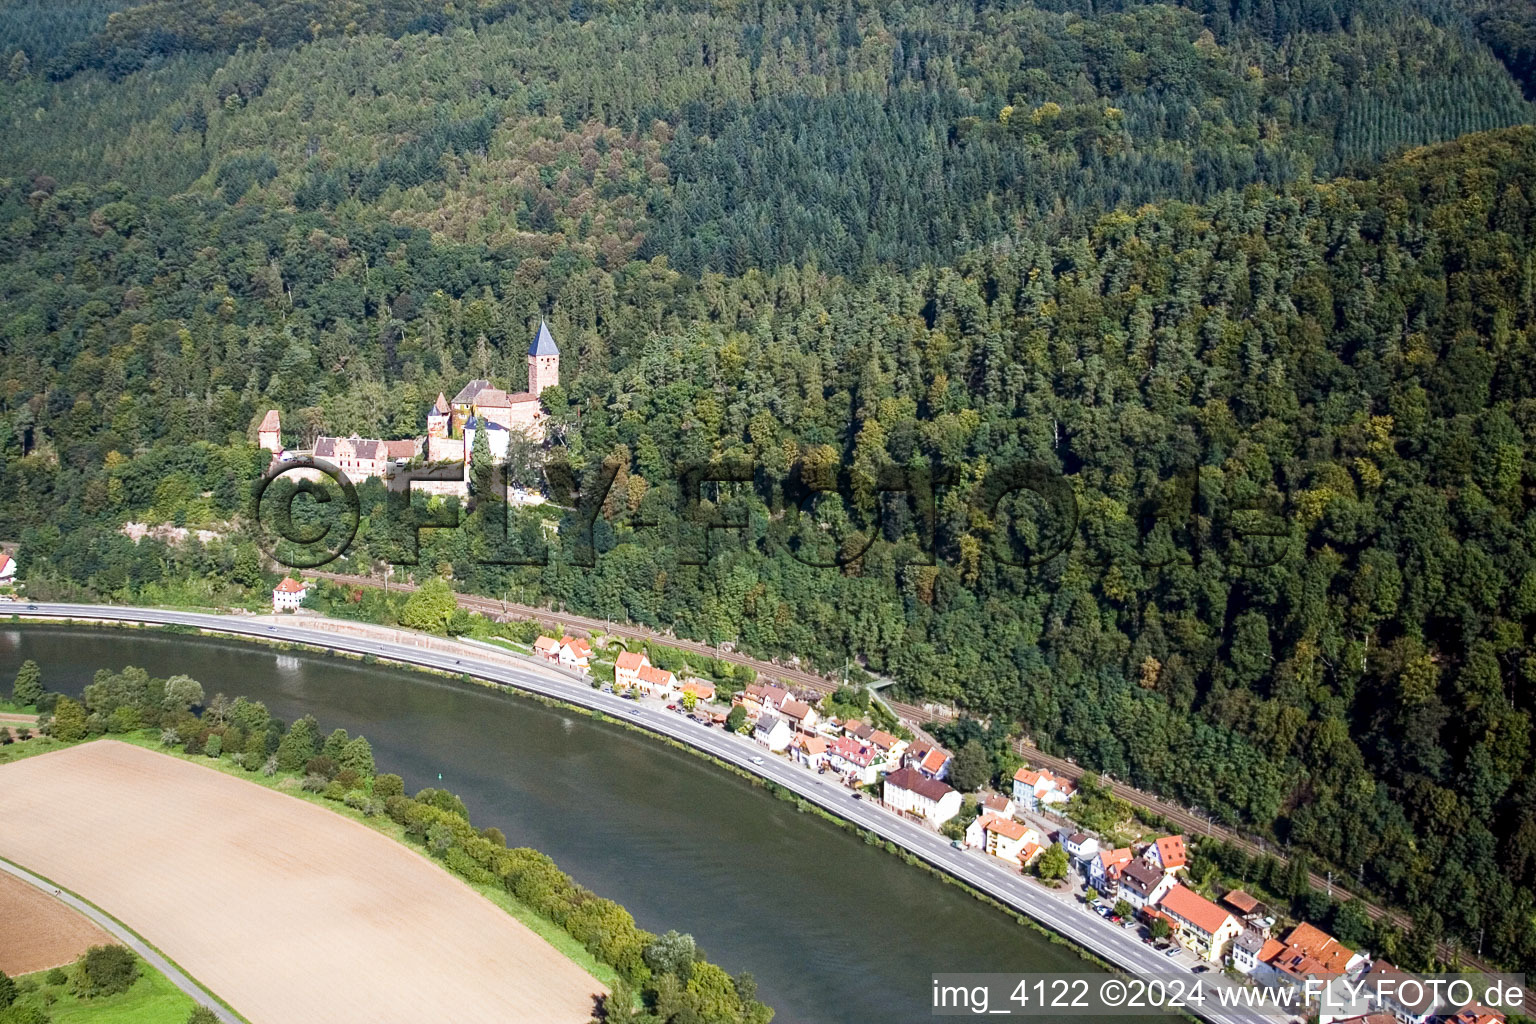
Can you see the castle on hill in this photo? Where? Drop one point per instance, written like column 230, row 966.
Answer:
column 451, row 426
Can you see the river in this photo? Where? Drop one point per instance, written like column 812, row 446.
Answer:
column 834, row 931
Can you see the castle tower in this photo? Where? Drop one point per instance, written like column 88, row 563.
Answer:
column 269, row 434
column 543, row 361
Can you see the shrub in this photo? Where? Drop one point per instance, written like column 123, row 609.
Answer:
column 105, row 971
column 322, row 766
column 215, row 745
column 348, row 778
column 388, row 785
column 202, row 1015
column 335, row 791
column 315, row 783
column 5, row 736
column 169, row 737
column 57, row 976
column 7, row 990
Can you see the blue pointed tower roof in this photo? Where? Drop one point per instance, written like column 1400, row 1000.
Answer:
column 543, row 342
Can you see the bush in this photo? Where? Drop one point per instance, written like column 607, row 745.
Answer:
column 105, row 971
column 202, row 1015
column 7, row 990
column 322, row 766
column 386, row 786
column 215, row 745
column 315, row 783
column 335, row 791
column 57, row 976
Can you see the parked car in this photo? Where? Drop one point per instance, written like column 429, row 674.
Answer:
column 1171, row 952
column 957, row 844
column 1202, row 968
column 757, row 760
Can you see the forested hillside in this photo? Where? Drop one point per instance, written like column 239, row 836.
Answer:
column 1181, row 258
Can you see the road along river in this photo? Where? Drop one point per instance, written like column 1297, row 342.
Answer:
column 834, row 930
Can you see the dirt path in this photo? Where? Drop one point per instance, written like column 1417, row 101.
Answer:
column 288, row 911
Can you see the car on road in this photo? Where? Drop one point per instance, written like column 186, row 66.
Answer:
column 858, row 796
column 1171, row 952
column 1202, row 968
column 757, row 760
column 607, row 687
column 634, row 711
column 957, row 844
column 671, row 707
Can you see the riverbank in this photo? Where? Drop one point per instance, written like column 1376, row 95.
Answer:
column 978, row 874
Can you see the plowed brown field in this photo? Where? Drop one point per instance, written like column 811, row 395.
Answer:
column 38, row 932
column 288, row 911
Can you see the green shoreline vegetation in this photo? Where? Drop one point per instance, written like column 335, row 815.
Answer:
column 651, row 978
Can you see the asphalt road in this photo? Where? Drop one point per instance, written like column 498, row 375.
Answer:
column 1113, row 943
column 127, row 938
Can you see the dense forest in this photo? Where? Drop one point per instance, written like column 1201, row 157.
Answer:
column 1186, row 270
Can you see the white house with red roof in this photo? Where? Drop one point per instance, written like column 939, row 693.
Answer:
column 289, row 594
column 799, row 714
column 575, row 653
column 656, row 682
column 1104, row 870
column 848, row 757
column 1032, row 789
column 810, row 751
column 1203, row 928
column 993, row 803
column 1167, row 854
column 7, row 568
column 547, row 647
column 627, row 666
column 1004, row 838
column 269, row 434
column 932, row 760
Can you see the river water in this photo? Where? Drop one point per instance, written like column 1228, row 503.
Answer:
column 833, row 930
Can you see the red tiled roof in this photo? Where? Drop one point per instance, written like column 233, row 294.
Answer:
column 630, row 661
column 290, row 586
column 1196, row 909
column 578, row 647
column 812, row 744
column 1476, row 1013
column 883, row 740
column 270, row 422
column 1310, row 950
column 850, row 749
column 1241, row 902
column 655, row 676
column 796, row 709
column 1004, row 826
column 700, row 689
column 1170, row 851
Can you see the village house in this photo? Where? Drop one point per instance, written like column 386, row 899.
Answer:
column 547, row 647
column 1104, row 870
column 1167, row 854
column 773, row 732
column 1081, row 847
column 576, row 654
column 1142, row 885
column 1243, row 905
column 907, row 792
column 759, row 698
column 1246, row 950
column 269, row 433
column 800, row 714
column 1004, row 838
column 1032, row 789
column 288, row 595
column 992, row 803
column 626, row 668
column 933, row 761
column 1203, row 928
column 848, row 757
column 888, row 747
column 655, row 682
column 7, row 568
column 702, row 690
column 1306, row 953
column 810, row 751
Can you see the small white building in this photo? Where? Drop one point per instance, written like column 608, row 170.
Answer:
column 1081, row 846
column 1142, row 885
column 908, row 791
column 656, row 682
column 773, row 732
column 576, row 654
column 7, row 568
column 289, row 594
column 626, row 668
column 810, row 751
